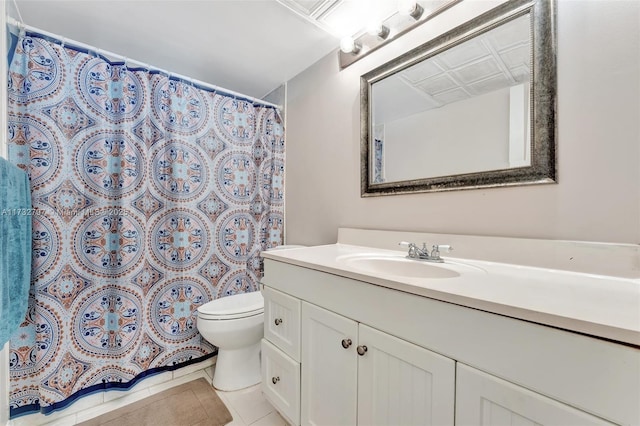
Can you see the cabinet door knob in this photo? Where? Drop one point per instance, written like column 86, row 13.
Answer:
column 362, row 349
column 275, row 379
column 278, row 321
column 346, row 343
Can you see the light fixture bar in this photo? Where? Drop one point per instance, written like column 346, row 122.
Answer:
column 375, row 39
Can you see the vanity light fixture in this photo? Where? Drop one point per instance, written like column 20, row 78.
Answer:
column 411, row 8
column 378, row 29
column 349, row 45
column 387, row 29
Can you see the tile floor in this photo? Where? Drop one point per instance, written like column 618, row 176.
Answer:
column 247, row 406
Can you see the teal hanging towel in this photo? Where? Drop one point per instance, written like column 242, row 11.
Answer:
column 15, row 247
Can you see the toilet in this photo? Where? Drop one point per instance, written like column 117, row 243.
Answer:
column 235, row 324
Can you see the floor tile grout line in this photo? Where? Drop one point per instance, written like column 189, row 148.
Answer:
column 256, row 421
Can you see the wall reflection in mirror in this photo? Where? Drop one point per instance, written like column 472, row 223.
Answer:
column 459, row 115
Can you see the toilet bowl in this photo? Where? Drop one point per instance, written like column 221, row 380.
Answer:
column 235, row 324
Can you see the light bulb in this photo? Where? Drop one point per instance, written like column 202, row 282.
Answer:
column 376, row 28
column 348, row 45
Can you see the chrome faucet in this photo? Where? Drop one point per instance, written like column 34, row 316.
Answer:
column 423, row 253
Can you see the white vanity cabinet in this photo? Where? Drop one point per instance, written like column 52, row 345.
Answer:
column 349, row 373
column 431, row 362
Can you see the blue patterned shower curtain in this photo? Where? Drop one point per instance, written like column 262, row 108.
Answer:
column 151, row 196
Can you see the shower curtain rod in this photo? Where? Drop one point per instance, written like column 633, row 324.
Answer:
column 110, row 55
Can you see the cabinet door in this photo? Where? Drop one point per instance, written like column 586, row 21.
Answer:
column 400, row 383
column 482, row 399
column 282, row 321
column 329, row 370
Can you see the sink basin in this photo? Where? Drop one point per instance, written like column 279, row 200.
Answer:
column 398, row 266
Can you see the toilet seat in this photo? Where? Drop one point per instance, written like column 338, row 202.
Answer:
column 233, row 307
column 208, row 317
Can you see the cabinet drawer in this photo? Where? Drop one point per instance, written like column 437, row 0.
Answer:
column 281, row 382
column 282, row 322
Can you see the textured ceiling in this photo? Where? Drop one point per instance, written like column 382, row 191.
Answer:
column 345, row 17
column 249, row 46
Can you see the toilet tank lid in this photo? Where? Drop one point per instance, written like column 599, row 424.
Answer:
column 235, row 304
column 285, row 247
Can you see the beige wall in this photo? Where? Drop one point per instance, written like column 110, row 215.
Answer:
column 598, row 194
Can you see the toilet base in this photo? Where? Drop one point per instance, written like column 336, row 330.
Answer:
column 237, row 368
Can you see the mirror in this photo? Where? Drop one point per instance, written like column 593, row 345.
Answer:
column 472, row 108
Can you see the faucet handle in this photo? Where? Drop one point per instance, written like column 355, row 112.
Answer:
column 435, row 252
column 443, row 248
column 413, row 249
column 410, row 246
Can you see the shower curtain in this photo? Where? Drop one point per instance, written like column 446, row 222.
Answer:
column 151, row 196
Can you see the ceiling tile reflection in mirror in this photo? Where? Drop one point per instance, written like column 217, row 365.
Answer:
column 463, row 110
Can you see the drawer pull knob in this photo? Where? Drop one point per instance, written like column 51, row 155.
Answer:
column 362, row 350
column 278, row 321
column 275, row 380
column 346, row 343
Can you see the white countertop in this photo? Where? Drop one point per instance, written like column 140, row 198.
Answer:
column 597, row 305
